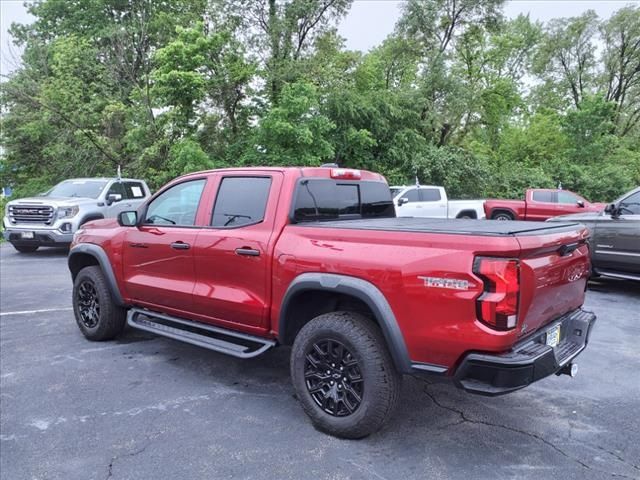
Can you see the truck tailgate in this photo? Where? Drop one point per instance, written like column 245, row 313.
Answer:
column 554, row 269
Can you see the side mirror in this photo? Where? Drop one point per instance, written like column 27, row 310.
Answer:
column 402, row 201
column 128, row 219
column 611, row 209
column 580, row 203
column 113, row 198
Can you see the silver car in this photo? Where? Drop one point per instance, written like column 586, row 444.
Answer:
column 615, row 236
column 52, row 218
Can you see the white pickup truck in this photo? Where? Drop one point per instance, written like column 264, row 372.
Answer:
column 432, row 201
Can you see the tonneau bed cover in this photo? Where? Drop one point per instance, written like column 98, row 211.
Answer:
column 439, row 225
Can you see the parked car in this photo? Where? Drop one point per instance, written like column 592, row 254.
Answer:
column 431, row 201
column 615, row 236
column 241, row 260
column 51, row 219
column 539, row 204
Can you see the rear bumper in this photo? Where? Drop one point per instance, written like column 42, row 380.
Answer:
column 529, row 361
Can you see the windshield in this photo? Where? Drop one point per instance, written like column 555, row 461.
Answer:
column 77, row 188
column 395, row 191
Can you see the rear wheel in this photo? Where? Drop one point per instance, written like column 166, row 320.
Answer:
column 97, row 316
column 26, row 248
column 503, row 216
column 343, row 375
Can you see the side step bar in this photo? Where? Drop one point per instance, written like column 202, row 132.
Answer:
column 220, row 340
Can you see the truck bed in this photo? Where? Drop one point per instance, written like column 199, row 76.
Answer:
column 491, row 228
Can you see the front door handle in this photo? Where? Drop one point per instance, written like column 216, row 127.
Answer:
column 180, row 246
column 251, row 252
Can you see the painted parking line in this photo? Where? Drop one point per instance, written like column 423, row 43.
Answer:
column 30, row 312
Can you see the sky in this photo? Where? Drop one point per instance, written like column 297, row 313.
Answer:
column 366, row 26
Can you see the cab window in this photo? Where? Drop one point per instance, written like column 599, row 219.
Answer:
column 568, row 198
column 412, row 195
column 177, row 205
column 631, row 205
column 241, row 201
column 544, row 197
column 430, row 194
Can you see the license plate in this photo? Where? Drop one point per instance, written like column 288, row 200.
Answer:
column 27, row 235
column 553, row 336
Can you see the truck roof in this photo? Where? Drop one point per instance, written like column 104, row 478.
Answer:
column 320, row 172
column 85, row 179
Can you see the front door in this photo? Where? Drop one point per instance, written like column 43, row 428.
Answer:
column 409, row 204
column 569, row 203
column 160, row 268
column 232, row 255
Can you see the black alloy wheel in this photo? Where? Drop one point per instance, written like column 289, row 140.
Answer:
column 88, row 304
column 333, row 378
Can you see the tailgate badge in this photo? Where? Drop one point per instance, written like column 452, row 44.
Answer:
column 450, row 283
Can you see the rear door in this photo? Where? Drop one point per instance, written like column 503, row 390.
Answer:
column 432, row 204
column 542, row 205
column 617, row 239
column 160, row 268
column 232, row 255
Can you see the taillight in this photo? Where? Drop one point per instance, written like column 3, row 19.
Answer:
column 345, row 173
column 498, row 305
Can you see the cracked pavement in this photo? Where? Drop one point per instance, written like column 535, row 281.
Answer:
column 146, row 407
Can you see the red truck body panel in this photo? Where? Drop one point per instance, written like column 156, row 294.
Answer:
column 210, row 283
column 540, row 204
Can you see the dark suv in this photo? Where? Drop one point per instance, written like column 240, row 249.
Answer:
column 615, row 236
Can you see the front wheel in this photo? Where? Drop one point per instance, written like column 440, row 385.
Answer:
column 343, row 375
column 97, row 316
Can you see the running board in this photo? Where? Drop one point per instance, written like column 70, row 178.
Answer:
column 220, row 340
column 622, row 276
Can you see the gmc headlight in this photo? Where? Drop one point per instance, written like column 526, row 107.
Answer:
column 68, row 212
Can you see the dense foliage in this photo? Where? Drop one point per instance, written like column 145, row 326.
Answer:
column 457, row 95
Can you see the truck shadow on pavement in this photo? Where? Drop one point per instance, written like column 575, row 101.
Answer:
column 433, row 421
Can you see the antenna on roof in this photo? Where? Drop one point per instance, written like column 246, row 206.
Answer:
column 559, row 185
column 119, row 174
column 417, row 180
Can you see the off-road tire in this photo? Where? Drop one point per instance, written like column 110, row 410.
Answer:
column 110, row 318
column 26, row 248
column 381, row 381
column 503, row 216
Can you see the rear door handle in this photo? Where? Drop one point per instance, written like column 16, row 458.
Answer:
column 139, row 245
column 180, row 246
column 250, row 252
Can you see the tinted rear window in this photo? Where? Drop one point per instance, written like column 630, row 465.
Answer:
column 321, row 199
column 241, row 201
column 546, row 197
column 430, row 194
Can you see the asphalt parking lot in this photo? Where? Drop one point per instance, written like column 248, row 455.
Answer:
column 145, row 407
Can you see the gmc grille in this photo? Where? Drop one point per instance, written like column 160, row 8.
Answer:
column 31, row 214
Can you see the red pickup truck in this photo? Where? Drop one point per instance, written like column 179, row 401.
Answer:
column 242, row 260
column 539, row 204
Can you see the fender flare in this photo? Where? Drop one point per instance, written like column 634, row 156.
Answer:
column 503, row 209
column 105, row 265
column 362, row 290
column 89, row 218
